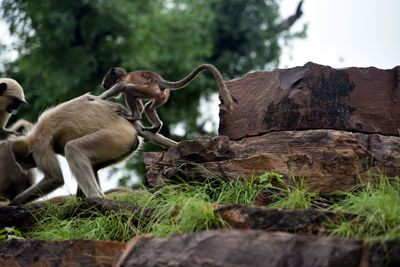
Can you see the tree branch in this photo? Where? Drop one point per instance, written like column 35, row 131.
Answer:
column 286, row 24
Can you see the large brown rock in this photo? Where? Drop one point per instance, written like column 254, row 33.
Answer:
column 311, row 221
column 241, row 248
column 365, row 100
column 332, row 160
column 33, row 252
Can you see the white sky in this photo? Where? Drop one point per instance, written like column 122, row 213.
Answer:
column 341, row 33
column 362, row 33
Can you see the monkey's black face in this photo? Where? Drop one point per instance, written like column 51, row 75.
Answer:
column 14, row 104
column 107, row 83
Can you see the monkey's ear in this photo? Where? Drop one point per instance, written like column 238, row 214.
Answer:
column 3, row 88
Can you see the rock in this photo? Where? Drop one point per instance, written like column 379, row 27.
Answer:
column 33, row 252
column 241, row 248
column 382, row 253
column 365, row 100
column 25, row 216
column 331, row 160
column 21, row 217
column 289, row 220
column 268, row 195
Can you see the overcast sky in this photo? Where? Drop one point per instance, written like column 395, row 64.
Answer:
column 344, row 33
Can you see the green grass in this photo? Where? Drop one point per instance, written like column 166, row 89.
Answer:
column 377, row 208
column 188, row 207
column 297, row 195
column 109, row 226
column 177, row 208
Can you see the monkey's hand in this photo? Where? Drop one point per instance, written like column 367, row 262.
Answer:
column 127, row 115
column 4, row 134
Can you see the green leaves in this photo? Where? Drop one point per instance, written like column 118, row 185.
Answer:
column 65, row 47
column 10, row 233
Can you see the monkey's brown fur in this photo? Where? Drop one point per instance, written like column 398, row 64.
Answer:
column 13, row 180
column 87, row 131
column 11, row 97
column 145, row 84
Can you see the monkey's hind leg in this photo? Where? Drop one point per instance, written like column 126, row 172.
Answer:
column 78, row 155
column 151, row 114
column 135, row 109
column 100, row 148
column 79, row 192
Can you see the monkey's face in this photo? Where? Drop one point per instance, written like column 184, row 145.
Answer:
column 14, row 104
column 11, row 95
column 112, row 77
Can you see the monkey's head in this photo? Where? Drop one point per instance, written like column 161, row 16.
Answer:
column 11, row 95
column 112, row 77
column 22, row 126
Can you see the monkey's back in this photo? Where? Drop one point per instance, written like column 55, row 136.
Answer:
column 76, row 118
column 143, row 77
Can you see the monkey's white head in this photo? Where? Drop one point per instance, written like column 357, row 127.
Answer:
column 13, row 92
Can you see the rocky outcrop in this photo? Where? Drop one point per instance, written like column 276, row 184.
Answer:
column 365, row 100
column 33, row 252
column 312, row 221
column 329, row 126
column 332, row 160
column 255, row 248
column 208, row 248
column 241, row 248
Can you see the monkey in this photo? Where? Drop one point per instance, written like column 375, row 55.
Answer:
column 89, row 133
column 11, row 97
column 144, row 84
column 22, row 127
column 13, row 180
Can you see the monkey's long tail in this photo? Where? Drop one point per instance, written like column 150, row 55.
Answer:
column 225, row 95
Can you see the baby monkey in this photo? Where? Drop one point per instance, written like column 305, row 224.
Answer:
column 144, row 84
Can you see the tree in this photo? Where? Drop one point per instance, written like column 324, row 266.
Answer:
column 65, row 47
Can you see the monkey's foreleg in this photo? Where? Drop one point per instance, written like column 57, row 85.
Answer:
column 43, row 187
column 46, row 162
column 114, row 91
column 157, row 139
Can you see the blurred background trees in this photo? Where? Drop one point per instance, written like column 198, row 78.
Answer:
column 64, row 48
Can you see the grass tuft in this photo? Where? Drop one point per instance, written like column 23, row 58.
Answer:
column 376, row 204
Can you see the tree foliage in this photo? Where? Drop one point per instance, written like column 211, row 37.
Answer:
column 65, row 47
